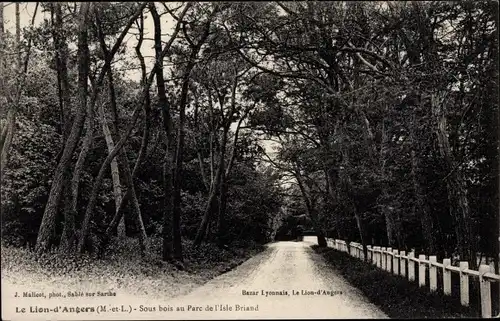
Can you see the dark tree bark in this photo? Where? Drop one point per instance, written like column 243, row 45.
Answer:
column 122, row 159
column 146, row 131
column 145, row 94
column 147, row 102
column 457, row 190
column 124, row 166
column 49, row 217
column 61, row 60
column 178, row 161
column 77, row 172
column 422, row 206
column 212, row 197
column 311, row 211
column 168, row 246
column 115, row 172
column 48, row 220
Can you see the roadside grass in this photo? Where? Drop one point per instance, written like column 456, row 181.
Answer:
column 394, row 295
column 122, row 268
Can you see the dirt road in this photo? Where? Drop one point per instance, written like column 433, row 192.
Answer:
column 288, row 280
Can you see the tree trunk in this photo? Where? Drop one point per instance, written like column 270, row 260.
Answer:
column 392, row 226
column 168, row 226
column 311, row 211
column 18, row 36
column 221, row 219
column 115, row 174
column 178, row 162
column 212, row 197
column 49, row 217
column 457, row 190
column 124, row 137
column 147, row 102
column 421, row 205
column 98, row 181
column 204, row 178
column 346, row 179
column 224, row 186
column 61, row 61
column 331, row 188
column 87, row 142
column 147, row 84
column 168, row 246
column 68, row 235
column 125, row 169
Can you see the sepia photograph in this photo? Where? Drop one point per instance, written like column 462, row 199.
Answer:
column 216, row 160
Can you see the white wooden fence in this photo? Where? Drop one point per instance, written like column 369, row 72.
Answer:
column 396, row 262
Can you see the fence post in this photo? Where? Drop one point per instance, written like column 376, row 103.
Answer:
column 369, row 254
column 395, row 262
column 411, row 266
column 402, row 269
column 421, row 270
column 464, row 284
column 432, row 273
column 388, row 263
column 383, row 258
column 377, row 256
column 446, row 277
column 485, row 291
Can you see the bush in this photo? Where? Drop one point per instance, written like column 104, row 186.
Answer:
column 27, row 180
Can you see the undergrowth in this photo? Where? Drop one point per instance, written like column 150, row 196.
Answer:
column 122, row 267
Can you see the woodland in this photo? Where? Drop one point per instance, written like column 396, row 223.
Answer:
column 249, row 122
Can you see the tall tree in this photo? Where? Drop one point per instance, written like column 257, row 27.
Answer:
column 49, row 217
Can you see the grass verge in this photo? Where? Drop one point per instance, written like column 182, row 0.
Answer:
column 122, row 269
column 394, row 295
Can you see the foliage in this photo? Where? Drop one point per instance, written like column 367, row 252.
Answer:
column 27, row 180
column 382, row 119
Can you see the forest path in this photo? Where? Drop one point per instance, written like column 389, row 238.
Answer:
column 288, row 269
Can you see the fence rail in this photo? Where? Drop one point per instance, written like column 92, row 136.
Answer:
column 396, row 262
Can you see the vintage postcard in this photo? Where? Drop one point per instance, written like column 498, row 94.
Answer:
column 249, row 160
